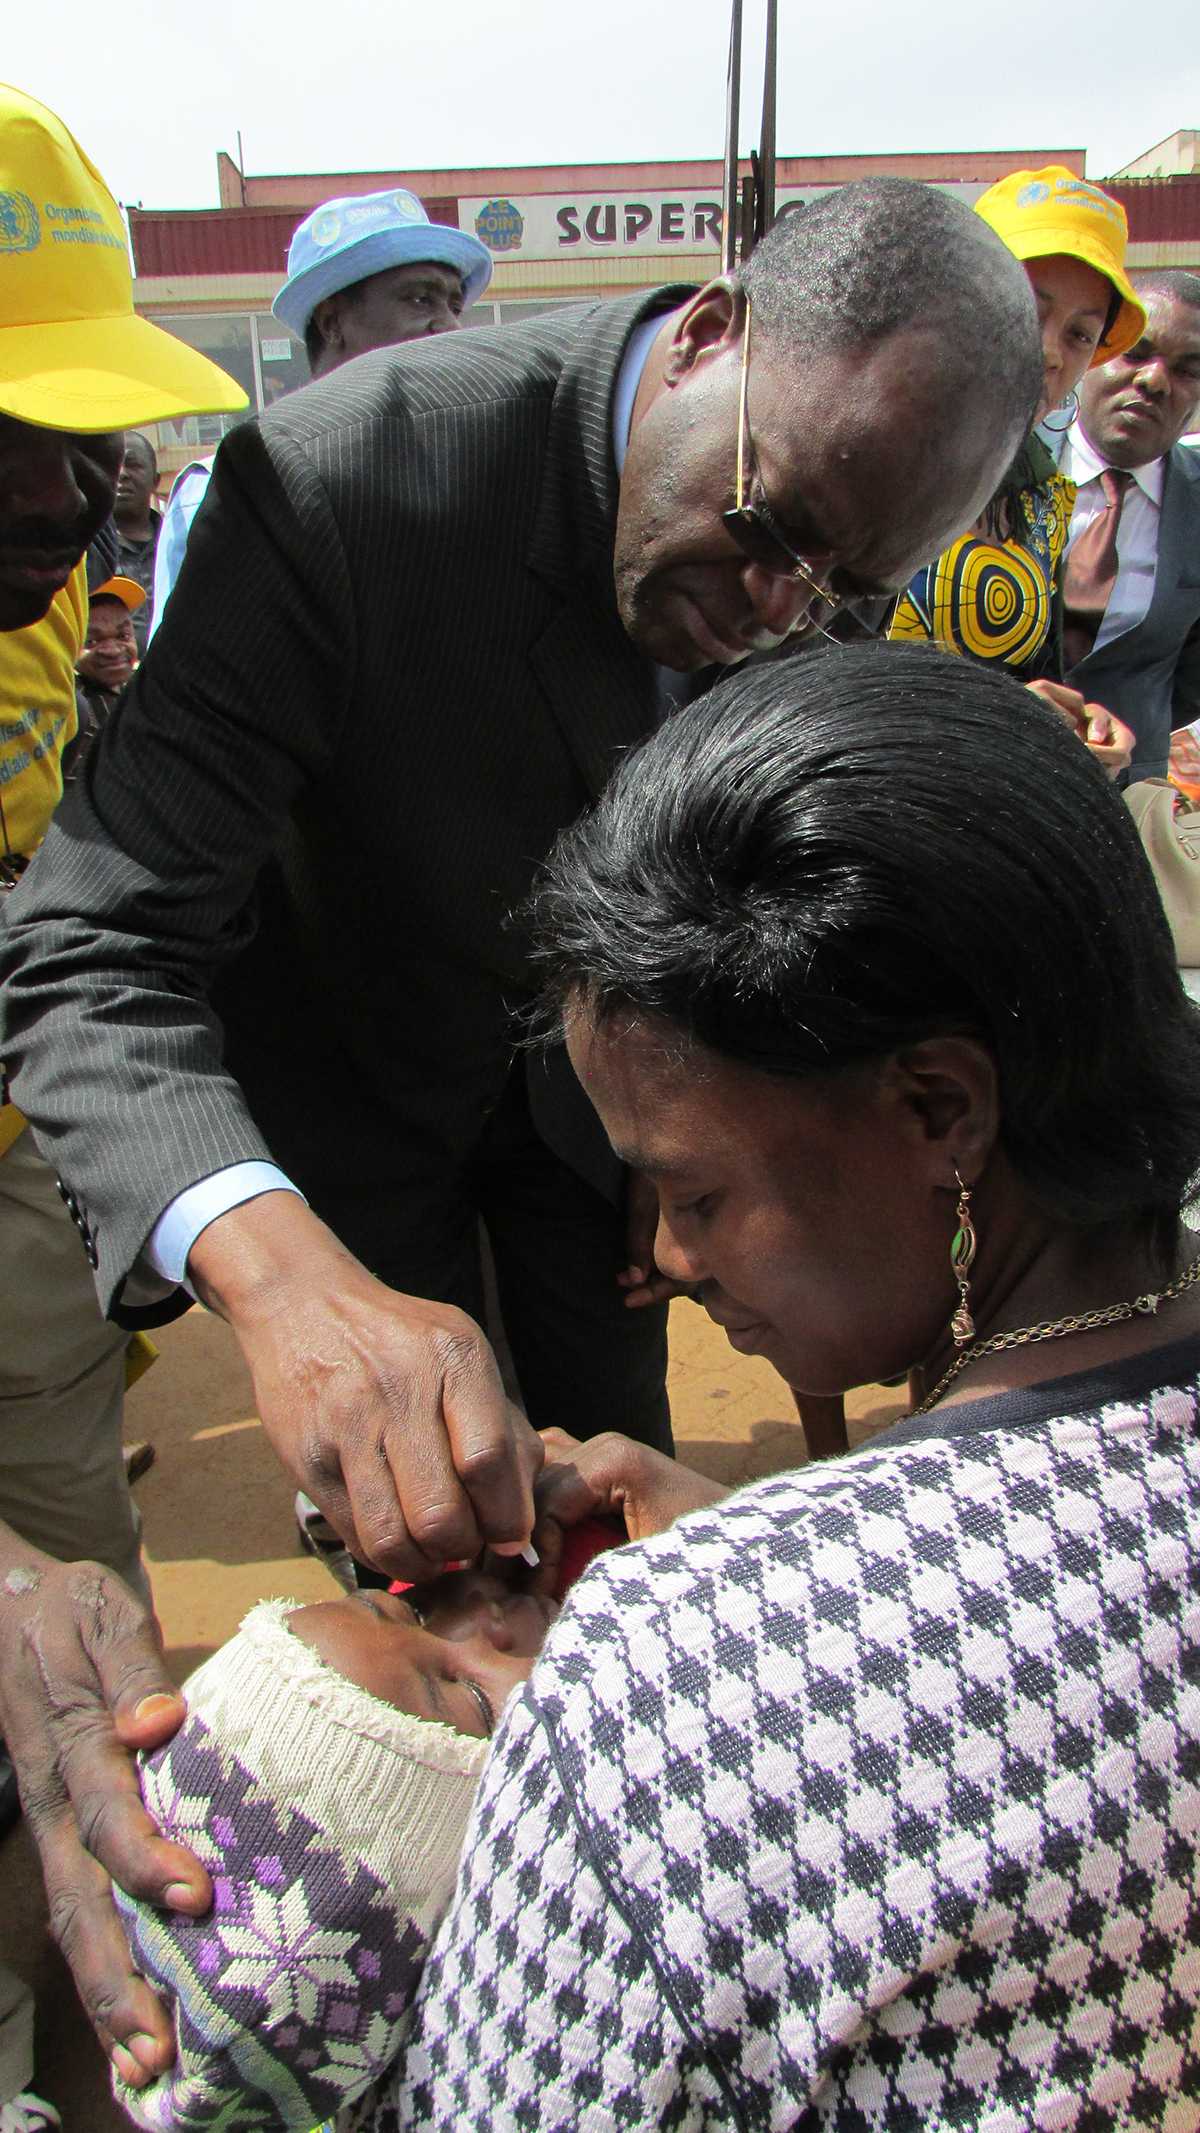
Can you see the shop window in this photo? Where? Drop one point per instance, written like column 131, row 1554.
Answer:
column 282, row 362
column 225, row 338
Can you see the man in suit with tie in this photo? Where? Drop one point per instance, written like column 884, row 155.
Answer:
column 268, row 943
column 1131, row 588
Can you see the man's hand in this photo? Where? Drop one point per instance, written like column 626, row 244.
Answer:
column 611, row 1477
column 82, row 1685
column 388, row 1411
column 1108, row 739
column 640, row 1277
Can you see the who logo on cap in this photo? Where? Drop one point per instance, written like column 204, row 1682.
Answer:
column 74, row 355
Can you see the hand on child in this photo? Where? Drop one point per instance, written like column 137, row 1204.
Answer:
column 611, row 1477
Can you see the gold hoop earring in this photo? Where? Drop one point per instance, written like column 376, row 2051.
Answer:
column 962, row 1259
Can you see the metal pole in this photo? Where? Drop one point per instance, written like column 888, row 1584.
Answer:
column 747, row 211
column 765, row 203
column 731, row 191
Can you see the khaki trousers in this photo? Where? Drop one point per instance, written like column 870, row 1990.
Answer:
column 62, row 1383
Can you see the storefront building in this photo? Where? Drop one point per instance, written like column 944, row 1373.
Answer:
column 557, row 233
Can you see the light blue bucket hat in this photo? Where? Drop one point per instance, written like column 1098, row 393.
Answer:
column 344, row 241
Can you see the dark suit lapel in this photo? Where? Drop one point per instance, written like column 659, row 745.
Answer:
column 601, row 690
column 1175, row 538
column 1177, row 528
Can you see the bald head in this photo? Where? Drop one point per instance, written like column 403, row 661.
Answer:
column 889, row 257
column 892, row 366
column 877, row 258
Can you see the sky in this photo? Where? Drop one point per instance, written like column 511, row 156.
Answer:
column 153, row 91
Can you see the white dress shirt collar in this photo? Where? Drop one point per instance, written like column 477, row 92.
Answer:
column 1082, row 462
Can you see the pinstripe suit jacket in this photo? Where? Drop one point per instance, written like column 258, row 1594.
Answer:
column 391, row 672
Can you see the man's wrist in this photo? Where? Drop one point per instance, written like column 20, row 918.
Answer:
column 246, row 1260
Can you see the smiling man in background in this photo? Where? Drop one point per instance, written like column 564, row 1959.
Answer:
column 105, row 664
column 1131, row 588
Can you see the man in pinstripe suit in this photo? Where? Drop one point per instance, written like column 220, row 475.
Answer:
column 426, row 604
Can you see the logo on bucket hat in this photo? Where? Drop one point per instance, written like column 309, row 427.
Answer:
column 326, row 228
column 20, row 229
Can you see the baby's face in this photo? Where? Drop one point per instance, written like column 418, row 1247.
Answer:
column 457, row 1662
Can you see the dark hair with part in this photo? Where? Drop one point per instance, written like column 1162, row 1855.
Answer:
column 871, row 259
column 828, row 859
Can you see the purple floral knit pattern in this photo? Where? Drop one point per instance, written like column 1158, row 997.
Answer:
column 290, row 1995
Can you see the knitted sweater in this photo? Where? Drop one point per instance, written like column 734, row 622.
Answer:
column 332, row 1826
column 868, row 1799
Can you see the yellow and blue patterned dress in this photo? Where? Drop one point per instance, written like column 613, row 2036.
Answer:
column 994, row 593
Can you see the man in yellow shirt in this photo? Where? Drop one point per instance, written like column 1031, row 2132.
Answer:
column 71, row 350
column 37, row 716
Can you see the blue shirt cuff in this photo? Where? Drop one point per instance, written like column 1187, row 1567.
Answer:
column 179, row 1225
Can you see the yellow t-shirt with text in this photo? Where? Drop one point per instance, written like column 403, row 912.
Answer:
column 37, row 714
column 37, row 720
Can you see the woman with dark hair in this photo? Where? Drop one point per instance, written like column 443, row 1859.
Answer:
column 868, row 1797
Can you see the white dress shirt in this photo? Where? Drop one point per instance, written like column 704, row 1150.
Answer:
column 1137, row 533
column 188, row 492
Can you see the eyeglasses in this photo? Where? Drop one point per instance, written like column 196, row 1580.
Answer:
column 753, row 525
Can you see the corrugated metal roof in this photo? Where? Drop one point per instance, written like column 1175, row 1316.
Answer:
column 172, row 242
column 1160, row 210
column 231, row 240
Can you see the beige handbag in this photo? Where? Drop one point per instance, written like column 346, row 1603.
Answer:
column 1172, row 845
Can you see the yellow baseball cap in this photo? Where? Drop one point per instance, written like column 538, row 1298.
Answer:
column 1040, row 212
column 74, row 355
column 126, row 590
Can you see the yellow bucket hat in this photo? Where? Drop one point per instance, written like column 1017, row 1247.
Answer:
column 1040, row 212
column 73, row 353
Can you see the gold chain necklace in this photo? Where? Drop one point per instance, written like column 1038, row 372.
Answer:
column 1052, row 1329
